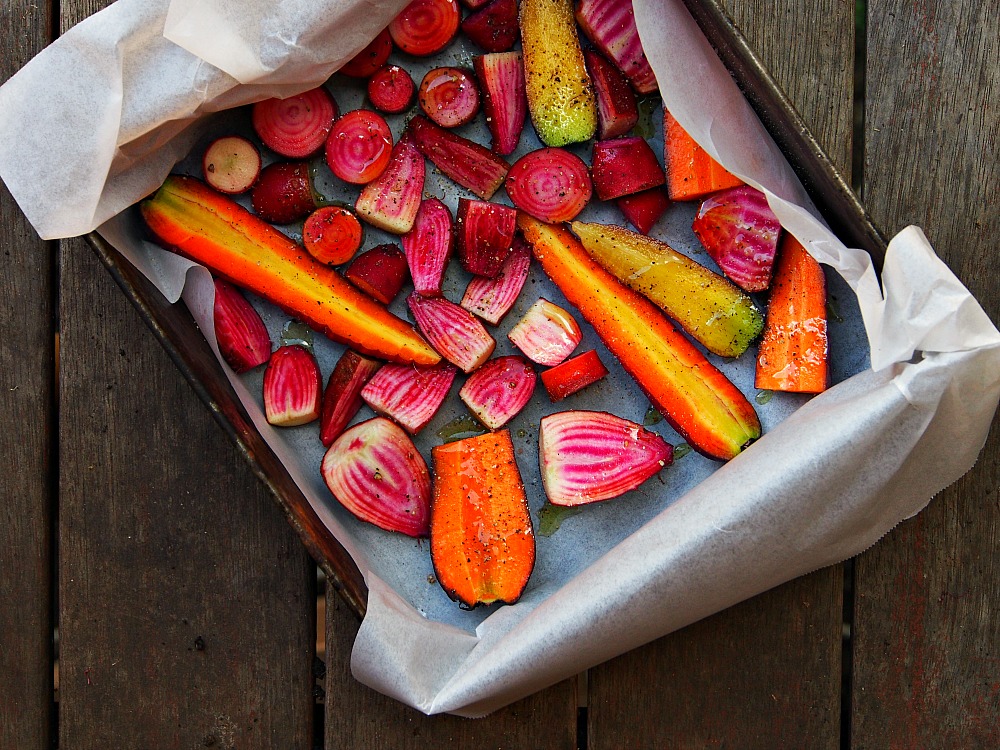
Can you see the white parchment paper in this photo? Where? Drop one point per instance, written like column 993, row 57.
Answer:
column 829, row 477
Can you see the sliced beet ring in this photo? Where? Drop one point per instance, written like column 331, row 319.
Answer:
column 359, row 147
column 449, row 96
column 425, row 27
column 551, row 184
column 295, row 127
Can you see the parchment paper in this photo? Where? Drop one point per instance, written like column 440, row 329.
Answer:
column 830, row 476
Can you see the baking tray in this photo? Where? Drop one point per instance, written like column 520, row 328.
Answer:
column 176, row 330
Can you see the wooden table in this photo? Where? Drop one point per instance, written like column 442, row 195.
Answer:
column 185, row 604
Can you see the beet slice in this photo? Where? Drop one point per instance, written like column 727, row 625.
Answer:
column 617, row 111
column 449, row 96
column 425, row 27
column 231, row 164
column 359, row 147
column 371, row 58
column 428, row 246
column 391, row 202
column 283, row 193
column 239, row 330
column 453, row 331
column 498, row 390
column 491, row 299
column 295, row 127
column 381, row 272
column 610, row 26
column 342, row 396
column 645, row 208
column 551, row 184
column 485, row 235
column 470, row 165
column 547, row 334
column 391, row 89
column 623, row 166
column 501, row 76
column 410, row 396
column 494, row 26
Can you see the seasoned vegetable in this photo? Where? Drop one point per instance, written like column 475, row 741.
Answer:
column 501, row 76
column 691, row 172
column 371, row 58
column 485, row 233
column 332, row 234
column 494, row 26
column 610, row 25
column 391, row 202
column 449, row 96
column 617, row 111
column 239, row 330
column 342, row 396
column 425, row 27
column 292, row 387
column 428, row 246
column 546, row 334
column 231, row 164
column 624, row 166
column 381, row 272
column 359, row 147
column 551, row 184
column 410, row 396
column 283, row 193
column 391, row 89
column 498, row 390
column 645, row 208
column 453, row 331
column 295, row 127
column 491, row 299
column 573, row 375
column 470, row 165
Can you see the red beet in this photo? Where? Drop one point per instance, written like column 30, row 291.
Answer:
column 501, row 76
column 494, row 26
column 470, row 165
column 617, row 111
column 623, row 166
column 449, row 96
column 359, row 147
column 283, row 193
column 644, row 209
column 380, row 271
column 485, row 235
column 425, row 27
column 391, row 89
column 371, row 58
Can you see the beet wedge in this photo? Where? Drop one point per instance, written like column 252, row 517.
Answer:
column 644, row 209
column 342, row 396
column 241, row 334
column 624, row 166
column 472, row 166
column 209, row 228
column 453, row 331
column 391, row 202
column 588, row 456
column 610, row 26
column 292, row 387
column 494, row 26
column 501, row 78
column 410, row 396
column 546, row 333
column 482, row 542
column 428, row 247
column 713, row 310
column 485, row 235
column 712, row 415
column 617, row 111
column 498, row 390
column 491, row 299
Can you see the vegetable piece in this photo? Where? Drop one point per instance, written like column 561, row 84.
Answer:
column 231, row 164
column 332, row 234
column 376, row 472
column 283, row 193
column 292, row 387
column 474, row 4
column 740, row 232
column 391, row 89
column 391, row 202
column 547, row 334
column 425, row 27
column 239, row 330
column 501, row 76
column 342, row 396
column 371, row 58
column 498, row 390
column 449, row 96
column 794, row 352
column 644, row 209
column 381, row 272
column 624, row 166
column 295, row 127
column 494, row 26
column 573, row 375
column 610, row 26
column 589, row 456
column 211, row 229
column 453, row 331
column 691, row 173
column 485, row 233
column 560, row 94
column 470, row 165
column 410, row 396
column 713, row 310
column 617, row 111
column 491, row 299
column 551, row 184
column 482, row 543
column 359, row 147
column 428, row 246
column 698, row 401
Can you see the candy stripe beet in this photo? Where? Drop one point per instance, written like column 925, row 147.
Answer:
column 449, row 96
column 359, row 147
column 292, row 386
column 466, row 162
column 425, row 27
column 505, row 101
column 610, row 25
column 547, row 334
column 371, row 58
column 498, row 390
column 410, row 396
column 391, row 202
column 391, row 89
column 295, row 127
column 453, row 331
column 551, row 184
column 428, row 246
column 240, row 332
column 491, row 299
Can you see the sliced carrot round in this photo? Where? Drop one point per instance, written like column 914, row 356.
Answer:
column 359, row 147
column 449, row 96
column 295, row 127
column 332, row 234
column 371, row 58
column 425, row 27
column 550, row 184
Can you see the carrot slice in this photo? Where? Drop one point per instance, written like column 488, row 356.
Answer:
column 482, row 543
column 691, row 172
column 209, row 228
column 794, row 352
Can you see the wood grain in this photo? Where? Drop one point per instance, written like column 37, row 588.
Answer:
column 764, row 674
column 27, row 364
column 927, row 615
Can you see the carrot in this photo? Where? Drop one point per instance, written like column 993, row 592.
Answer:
column 211, row 229
column 696, row 398
column 691, row 172
column 482, row 543
column 794, row 351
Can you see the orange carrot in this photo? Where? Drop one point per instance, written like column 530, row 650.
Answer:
column 695, row 397
column 211, row 229
column 794, row 351
column 691, row 172
column 482, row 543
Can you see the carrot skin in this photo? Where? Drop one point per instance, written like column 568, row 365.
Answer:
column 205, row 226
column 693, row 395
column 691, row 172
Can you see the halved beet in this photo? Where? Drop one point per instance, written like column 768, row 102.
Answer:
column 283, row 193
column 470, row 165
column 623, row 166
column 494, row 26
column 610, row 25
column 295, row 127
column 498, row 390
column 551, row 184
column 425, row 27
column 645, row 208
column 371, row 58
column 381, row 272
column 376, row 472
column 239, row 331
column 359, row 147
column 617, row 111
column 428, row 246
column 740, row 232
column 485, row 235
column 449, row 96
column 292, row 387
column 453, row 331
column 505, row 101
column 342, row 396
column 231, row 164
column 391, row 202
column 391, row 89
column 491, row 299
column 547, row 334
column 409, row 395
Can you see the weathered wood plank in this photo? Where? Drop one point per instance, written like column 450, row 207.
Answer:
column 927, row 614
column 27, row 364
column 358, row 717
column 764, row 674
